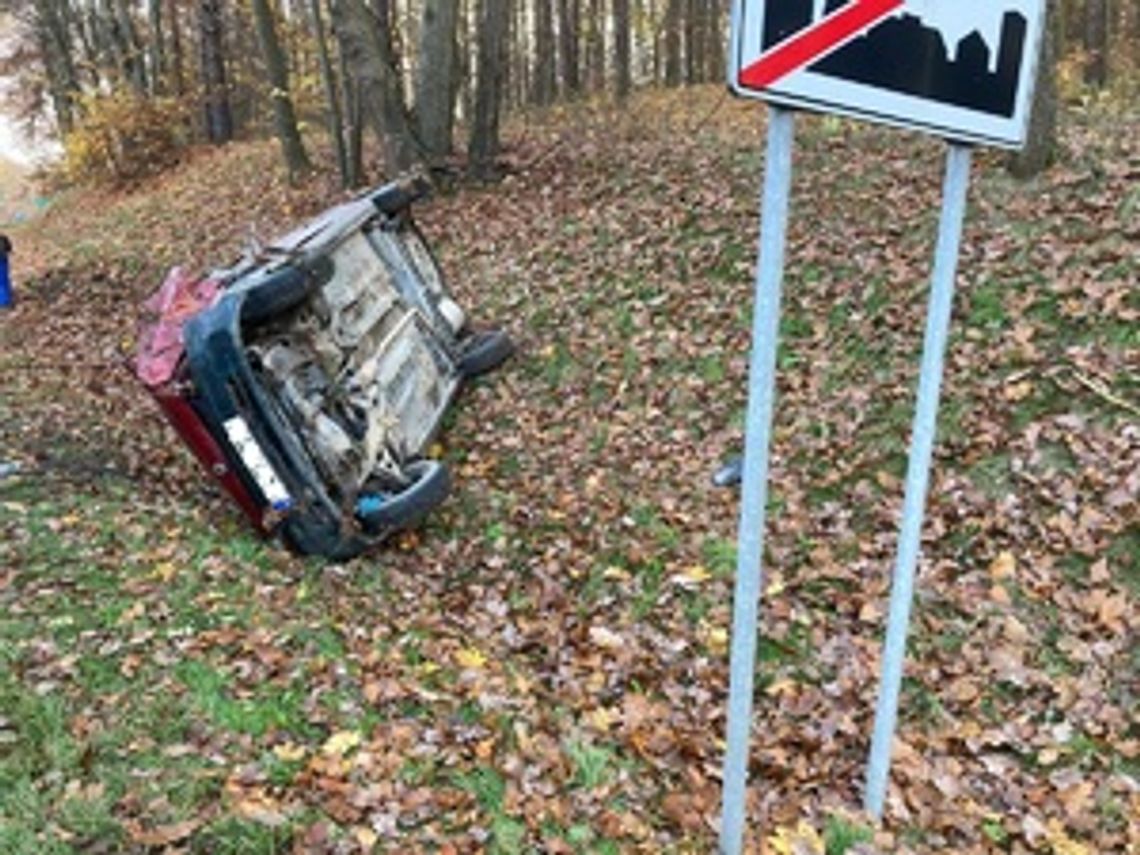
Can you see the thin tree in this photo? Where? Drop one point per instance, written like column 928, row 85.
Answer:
column 157, row 45
column 1042, row 138
column 284, row 116
column 673, row 25
column 435, row 82
column 1096, row 43
column 596, row 45
column 176, row 56
column 544, row 60
column 55, row 48
column 332, row 95
column 483, row 148
column 219, row 117
column 623, row 79
column 569, row 11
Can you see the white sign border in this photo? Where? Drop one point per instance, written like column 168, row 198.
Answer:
column 823, row 94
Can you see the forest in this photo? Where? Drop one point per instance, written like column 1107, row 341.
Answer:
column 127, row 85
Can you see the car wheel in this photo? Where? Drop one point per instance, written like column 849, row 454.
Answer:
column 482, row 351
column 430, row 484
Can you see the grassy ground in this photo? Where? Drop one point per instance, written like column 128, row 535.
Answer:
column 543, row 666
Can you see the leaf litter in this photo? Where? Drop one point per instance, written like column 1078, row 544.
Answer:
column 544, row 665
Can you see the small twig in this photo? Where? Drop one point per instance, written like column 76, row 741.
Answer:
column 1103, row 392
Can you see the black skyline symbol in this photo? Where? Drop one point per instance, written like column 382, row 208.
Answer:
column 902, row 55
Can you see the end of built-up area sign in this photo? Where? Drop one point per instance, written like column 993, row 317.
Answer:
column 961, row 69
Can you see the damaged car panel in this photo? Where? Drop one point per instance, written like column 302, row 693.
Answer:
column 311, row 379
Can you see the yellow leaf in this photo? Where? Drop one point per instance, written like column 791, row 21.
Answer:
column 289, row 752
column 802, row 840
column 365, row 836
column 1004, row 566
column 1061, row 843
column 165, row 571
column 613, row 572
column 470, row 658
column 782, row 687
column 133, row 613
column 601, row 719
column 341, row 742
column 716, row 639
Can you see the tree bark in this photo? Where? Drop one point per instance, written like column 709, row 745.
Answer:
column 483, row 147
column 623, row 78
column 219, row 117
column 673, row 43
column 596, row 46
column 126, row 39
column 1042, row 138
column 1096, row 43
column 435, row 83
column 569, row 12
column 545, row 68
column 367, row 48
column 284, row 116
column 176, row 54
column 157, row 47
column 332, row 95
column 716, row 44
column 59, row 65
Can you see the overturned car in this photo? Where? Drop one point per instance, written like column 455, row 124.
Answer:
column 310, row 378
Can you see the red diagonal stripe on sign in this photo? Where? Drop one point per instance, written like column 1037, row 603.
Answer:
column 813, row 42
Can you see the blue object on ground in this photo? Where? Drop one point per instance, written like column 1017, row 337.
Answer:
column 5, row 283
column 370, row 503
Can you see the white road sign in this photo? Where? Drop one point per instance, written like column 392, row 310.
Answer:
column 961, row 69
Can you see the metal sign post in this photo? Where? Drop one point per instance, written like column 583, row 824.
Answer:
column 954, row 190
column 757, row 443
column 961, row 69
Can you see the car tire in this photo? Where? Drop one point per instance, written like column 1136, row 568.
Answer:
column 283, row 290
column 483, row 351
column 430, row 485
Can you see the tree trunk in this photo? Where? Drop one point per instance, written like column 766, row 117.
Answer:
column 366, row 45
column 332, row 95
column 284, row 116
column 569, row 12
column 176, row 56
column 157, row 47
column 692, row 11
column 126, row 38
column 354, row 130
column 673, row 43
column 59, row 65
column 596, row 45
column 1096, row 43
column 219, row 117
column 623, row 79
column 545, row 68
column 492, row 50
column 435, row 83
column 1042, row 138
column 716, row 42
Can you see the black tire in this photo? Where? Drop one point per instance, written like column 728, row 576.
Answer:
column 283, row 290
column 430, row 485
column 483, row 351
